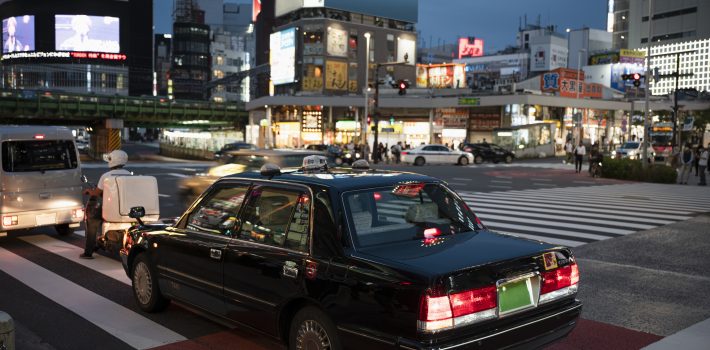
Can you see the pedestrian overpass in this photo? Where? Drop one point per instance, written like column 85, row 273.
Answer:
column 107, row 115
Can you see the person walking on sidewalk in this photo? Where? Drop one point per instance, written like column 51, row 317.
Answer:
column 696, row 154
column 579, row 153
column 687, row 158
column 703, row 164
column 569, row 148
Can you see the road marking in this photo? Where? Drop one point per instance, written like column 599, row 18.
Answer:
column 535, row 179
column 457, row 184
column 593, row 228
column 182, row 176
column 541, row 184
column 496, row 186
column 164, row 195
column 462, row 179
column 563, row 213
column 504, row 177
column 526, row 228
column 557, row 217
column 502, row 181
column 118, row 321
column 80, row 233
column 100, row 264
column 584, row 182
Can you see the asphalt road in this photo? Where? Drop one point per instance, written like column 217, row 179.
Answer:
column 637, row 287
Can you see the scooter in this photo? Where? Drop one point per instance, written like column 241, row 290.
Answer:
column 105, row 216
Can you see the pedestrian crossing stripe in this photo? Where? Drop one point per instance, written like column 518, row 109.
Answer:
column 574, row 216
column 546, row 165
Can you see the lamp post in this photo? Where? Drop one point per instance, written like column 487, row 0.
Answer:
column 579, row 70
column 644, row 150
column 363, row 134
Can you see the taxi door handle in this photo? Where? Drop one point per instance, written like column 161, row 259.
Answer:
column 215, row 254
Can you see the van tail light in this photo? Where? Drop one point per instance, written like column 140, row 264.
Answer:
column 77, row 213
column 457, row 309
column 559, row 283
column 10, row 220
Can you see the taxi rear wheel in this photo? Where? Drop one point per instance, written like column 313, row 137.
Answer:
column 145, row 286
column 311, row 329
column 508, row 159
column 463, row 161
column 419, row 161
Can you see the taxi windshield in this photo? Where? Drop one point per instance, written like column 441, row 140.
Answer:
column 412, row 211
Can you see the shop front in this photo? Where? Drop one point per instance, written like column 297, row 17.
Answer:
column 454, row 124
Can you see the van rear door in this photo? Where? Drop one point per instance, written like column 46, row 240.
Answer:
column 40, row 174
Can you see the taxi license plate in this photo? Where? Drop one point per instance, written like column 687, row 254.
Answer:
column 515, row 295
column 46, row 219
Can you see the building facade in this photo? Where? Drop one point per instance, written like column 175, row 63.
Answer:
column 41, row 50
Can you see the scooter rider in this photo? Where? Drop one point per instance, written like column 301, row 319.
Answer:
column 116, row 161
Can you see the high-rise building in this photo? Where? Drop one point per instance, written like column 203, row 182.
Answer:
column 163, row 60
column 673, row 21
column 584, row 43
column 190, row 68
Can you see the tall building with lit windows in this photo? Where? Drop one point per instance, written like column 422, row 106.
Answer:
column 677, row 27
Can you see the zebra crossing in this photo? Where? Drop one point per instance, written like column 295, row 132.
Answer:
column 546, row 165
column 574, row 216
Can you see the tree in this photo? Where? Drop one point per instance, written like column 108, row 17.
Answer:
column 702, row 119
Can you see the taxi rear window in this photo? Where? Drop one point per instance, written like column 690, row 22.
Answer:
column 38, row 155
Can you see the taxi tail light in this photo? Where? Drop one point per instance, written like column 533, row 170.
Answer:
column 457, row 309
column 405, row 153
column 559, row 283
column 9, row 220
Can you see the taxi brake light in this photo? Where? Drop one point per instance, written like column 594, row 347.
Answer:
column 377, row 196
column 39, row 136
column 559, row 278
column 431, row 232
column 473, row 301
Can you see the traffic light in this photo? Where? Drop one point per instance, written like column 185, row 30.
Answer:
column 402, row 85
column 636, row 77
column 391, row 120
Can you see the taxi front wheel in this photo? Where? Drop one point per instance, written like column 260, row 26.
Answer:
column 312, row 329
column 145, row 286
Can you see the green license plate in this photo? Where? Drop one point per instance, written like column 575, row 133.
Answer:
column 515, row 296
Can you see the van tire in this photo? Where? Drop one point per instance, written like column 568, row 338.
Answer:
column 64, row 229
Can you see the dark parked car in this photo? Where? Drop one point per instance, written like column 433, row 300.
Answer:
column 489, row 152
column 332, row 258
column 236, row 146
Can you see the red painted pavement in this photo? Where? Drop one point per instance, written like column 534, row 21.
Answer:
column 596, row 335
column 588, row 335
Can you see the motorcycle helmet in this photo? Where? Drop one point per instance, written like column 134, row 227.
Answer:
column 116, row 158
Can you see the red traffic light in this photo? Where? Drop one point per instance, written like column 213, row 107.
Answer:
column 637, row 76
column 402, row 85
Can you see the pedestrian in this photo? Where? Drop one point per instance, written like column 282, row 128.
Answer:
column 703, row 164
column 569, row 148
column 687, row 158
column 696, row 153
column 398, row 152
column 579, row 153
column 594, row 152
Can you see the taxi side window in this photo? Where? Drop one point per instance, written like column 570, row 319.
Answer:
column 278, row 217
column 217, row 214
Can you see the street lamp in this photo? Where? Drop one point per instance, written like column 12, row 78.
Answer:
column 363, row 135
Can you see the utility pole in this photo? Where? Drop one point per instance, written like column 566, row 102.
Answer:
column 375, row 149
column 644, row 151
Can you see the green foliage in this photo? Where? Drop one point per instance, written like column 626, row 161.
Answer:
column 631, row 169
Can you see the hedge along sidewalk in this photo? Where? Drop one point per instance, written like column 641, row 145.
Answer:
column 632, row 169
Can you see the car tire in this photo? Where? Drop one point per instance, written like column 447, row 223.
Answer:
column 463, row 160
column 419, row 161
column 338, row 161
column 478, row 159
column 64, row 229
column 144, row 282
column 313, row 329
column 508, row 159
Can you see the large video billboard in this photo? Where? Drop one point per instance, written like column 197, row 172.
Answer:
column 87, row 33
column 283, row 56
column 18, row 34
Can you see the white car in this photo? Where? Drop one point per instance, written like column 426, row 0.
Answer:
column 632, row 150
column 436, row 154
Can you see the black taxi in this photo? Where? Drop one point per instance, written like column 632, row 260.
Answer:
column 354, row 258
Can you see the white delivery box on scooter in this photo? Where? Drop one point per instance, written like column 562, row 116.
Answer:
column 123, row 192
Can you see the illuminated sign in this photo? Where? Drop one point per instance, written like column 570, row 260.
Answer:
column 441, row 76
column 569, row 83
column 255, row 9
column 283, row 56
column 18, row 34
column 64, row 54
column 470, row 47
column 87, row 33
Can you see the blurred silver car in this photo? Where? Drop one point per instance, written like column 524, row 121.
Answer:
column 436, row 154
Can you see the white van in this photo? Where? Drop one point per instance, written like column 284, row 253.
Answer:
column 40, row 179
